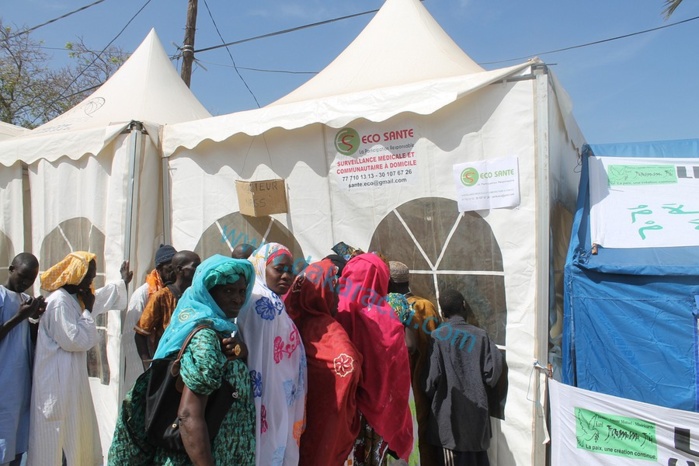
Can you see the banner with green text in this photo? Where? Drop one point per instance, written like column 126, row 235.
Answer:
column 644, row 202
column 593, row 429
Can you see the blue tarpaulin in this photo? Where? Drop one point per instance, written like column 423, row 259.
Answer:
column 630, row 325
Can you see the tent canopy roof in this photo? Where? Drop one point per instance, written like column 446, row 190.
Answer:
column 146, row 88
column 402, row 44
column 8, row 131
column 402, row 62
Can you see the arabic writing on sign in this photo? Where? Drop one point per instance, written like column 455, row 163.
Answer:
column 649, row 224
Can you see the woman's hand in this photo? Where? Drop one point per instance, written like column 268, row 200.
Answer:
column 87, row 298
column 234, row 348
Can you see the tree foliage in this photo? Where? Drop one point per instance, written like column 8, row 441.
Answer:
column 32, row 92
column 670, row 7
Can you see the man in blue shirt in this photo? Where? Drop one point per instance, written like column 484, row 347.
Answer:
column 16, row 354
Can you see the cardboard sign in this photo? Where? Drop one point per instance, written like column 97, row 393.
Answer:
column 261, row 198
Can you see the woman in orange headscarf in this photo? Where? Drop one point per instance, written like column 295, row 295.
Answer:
column 334, row 367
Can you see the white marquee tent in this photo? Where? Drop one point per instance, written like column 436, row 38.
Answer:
column 367, row 149
column 402, row 94
column 93, row 177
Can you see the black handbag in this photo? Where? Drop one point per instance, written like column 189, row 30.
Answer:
column 163, row 401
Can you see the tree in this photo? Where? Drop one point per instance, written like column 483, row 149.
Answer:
column 32, row 93
column 670, row 7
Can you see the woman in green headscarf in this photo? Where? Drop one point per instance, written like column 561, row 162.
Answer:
column 220, row 287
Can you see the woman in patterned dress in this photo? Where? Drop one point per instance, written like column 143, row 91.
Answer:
column 277, row 360
column 220, row 288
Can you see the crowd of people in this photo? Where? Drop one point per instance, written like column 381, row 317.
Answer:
column 329, row 365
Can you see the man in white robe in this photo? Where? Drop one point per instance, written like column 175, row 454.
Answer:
column 161, row 275
column 63, row 420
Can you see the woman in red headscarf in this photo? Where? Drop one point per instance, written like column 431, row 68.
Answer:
column 334, row 367
column 373, row 327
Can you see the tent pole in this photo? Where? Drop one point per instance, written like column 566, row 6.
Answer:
column 543, row 226
column 167, row 230
column 136, row 129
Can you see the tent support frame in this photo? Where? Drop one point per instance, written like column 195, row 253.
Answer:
column 543, row 226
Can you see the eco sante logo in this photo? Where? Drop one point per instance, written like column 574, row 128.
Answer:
column 347, row 141
column 469, row 176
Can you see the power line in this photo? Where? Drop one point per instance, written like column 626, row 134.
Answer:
column 261, row 70
column 230, row 55
column 27, row 31
column 591, row 43
column 286, row 31
column 60, row 96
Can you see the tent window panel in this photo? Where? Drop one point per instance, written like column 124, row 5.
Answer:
column 430, row 220
column 393, row 241
column 445, row 249
column 233, row 229
column 7, row 253
column 472, row 247
column 79, row 234
column 486, row 296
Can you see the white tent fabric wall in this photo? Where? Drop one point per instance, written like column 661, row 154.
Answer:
column 96, row 186
column 456, row 113
column 11, row 221
column 494, row 121
column 85, row 168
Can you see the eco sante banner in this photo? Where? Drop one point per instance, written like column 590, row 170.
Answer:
column 487, row 184
column 372, row 155
column 644, row 202
column 593, row 429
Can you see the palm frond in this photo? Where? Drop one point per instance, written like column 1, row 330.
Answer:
column 670, row 7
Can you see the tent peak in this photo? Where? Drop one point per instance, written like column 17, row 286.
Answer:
column 402, row 44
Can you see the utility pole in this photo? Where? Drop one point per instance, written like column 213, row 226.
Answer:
column 188, row 45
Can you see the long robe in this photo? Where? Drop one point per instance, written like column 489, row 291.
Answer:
column 63, row 417
column 15, row 379
column 277, row 363
column 132, row 364
column 334, row 368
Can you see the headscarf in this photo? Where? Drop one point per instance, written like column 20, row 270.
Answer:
column 69, row 271
column 277, row 363
column 378, row 334
column 334, row 367
column 196, row 306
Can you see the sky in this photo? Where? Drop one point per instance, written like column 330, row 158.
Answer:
column 640, row 88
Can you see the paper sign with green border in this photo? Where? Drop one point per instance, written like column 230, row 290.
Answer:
column 630, row 175
column 610, row 434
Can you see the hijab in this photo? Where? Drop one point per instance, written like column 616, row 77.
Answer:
column 277, row 363
column 334, row 367
column 196, row 306
column 378, row 334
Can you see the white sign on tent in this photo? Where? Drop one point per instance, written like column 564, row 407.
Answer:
column 487, row 184
column 369, row 156
column 595, row 429
column 644, row 202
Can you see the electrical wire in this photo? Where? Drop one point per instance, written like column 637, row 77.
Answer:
column 602, row 41
column 229, row 54
column 286, row 31
column 60, row 96
column 27, row 31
